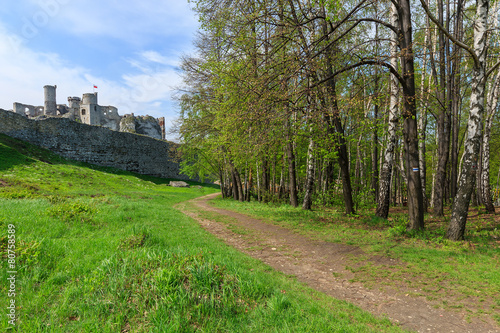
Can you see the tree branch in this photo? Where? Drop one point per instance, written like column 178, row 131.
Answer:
column 396, row 4
column 491, row 70
column 450, row 36
column 363, row 63
column 385, row 24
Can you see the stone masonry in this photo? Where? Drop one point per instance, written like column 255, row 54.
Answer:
column 88, row 111
column 94, row 144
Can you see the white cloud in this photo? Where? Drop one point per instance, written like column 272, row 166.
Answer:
column 154, row 56
column 24, row 73
column 125, row 20
column 147, row 91
column 147, row 28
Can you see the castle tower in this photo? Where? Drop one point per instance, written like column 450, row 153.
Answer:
column 161, row 121
column 90, row 111
column 19, row 109
column 89, row 98
column 74, row 102
column 50, row 100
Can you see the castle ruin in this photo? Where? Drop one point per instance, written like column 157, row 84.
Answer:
column 88, row 111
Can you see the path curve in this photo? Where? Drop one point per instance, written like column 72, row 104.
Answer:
column 321, row 265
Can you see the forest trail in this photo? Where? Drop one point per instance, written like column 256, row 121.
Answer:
column 322, row 266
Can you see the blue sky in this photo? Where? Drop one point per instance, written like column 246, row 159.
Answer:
column 129, row 49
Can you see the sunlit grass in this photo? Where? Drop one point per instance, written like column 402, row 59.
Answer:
column 101, row 250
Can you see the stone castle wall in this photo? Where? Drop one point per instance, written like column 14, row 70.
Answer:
column 95, row 145
column 87, row 110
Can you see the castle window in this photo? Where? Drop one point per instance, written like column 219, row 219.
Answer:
column 83, row 112
column 95, row 107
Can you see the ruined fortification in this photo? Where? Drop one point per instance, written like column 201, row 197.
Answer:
column 94, row 144
column 87, row 110
column 83, row 130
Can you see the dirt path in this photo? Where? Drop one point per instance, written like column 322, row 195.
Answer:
column 322, row 266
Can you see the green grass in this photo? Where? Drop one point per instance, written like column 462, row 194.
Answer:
column 102, row 250
column 456, row 274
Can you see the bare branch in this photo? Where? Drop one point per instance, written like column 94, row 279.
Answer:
column 363, row 63
column 449, row 35
column 491, row 70
column 385, row 24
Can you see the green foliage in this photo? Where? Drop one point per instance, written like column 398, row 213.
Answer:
column 331, row 198
column 398, row 227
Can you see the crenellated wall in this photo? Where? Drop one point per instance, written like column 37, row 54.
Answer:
column 94, row 144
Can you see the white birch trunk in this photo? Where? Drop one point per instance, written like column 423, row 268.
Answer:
column 386, row 172
column 493, row 102
column 456, row 229
column 306, row 203
column 422, row 124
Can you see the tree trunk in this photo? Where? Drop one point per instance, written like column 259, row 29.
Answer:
column 496, row 187
column 239, row 184
column 234, row 187
column 454, row 140
column 265, row 179
column 443, row 121
column 306, row 204
column 245, row 185
column 294, row 201
column 479, row 185
column 460, row 209
column 357, row 170
column 422, row 127
column 343, row 161
column 442, row 161
column 375, row 175
column 250, row 185
column 273, row 181
column 228, row 184
column 455, row 100
column 492, row 105
column 258, row 183
column 394, row 187
column 222, row 184
column 485, row 172
column 410, row 129
column 340, row 145
column 282, row 182
column 384, row 197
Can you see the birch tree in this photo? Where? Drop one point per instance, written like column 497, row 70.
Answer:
column 386, row 172
column 493, row 102
column 467, row 179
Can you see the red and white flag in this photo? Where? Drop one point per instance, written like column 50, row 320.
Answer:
column 95, row 87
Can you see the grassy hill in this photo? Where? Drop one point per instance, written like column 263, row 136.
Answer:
column 102, row 250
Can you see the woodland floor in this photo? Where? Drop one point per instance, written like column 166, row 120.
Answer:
column 322, row 266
